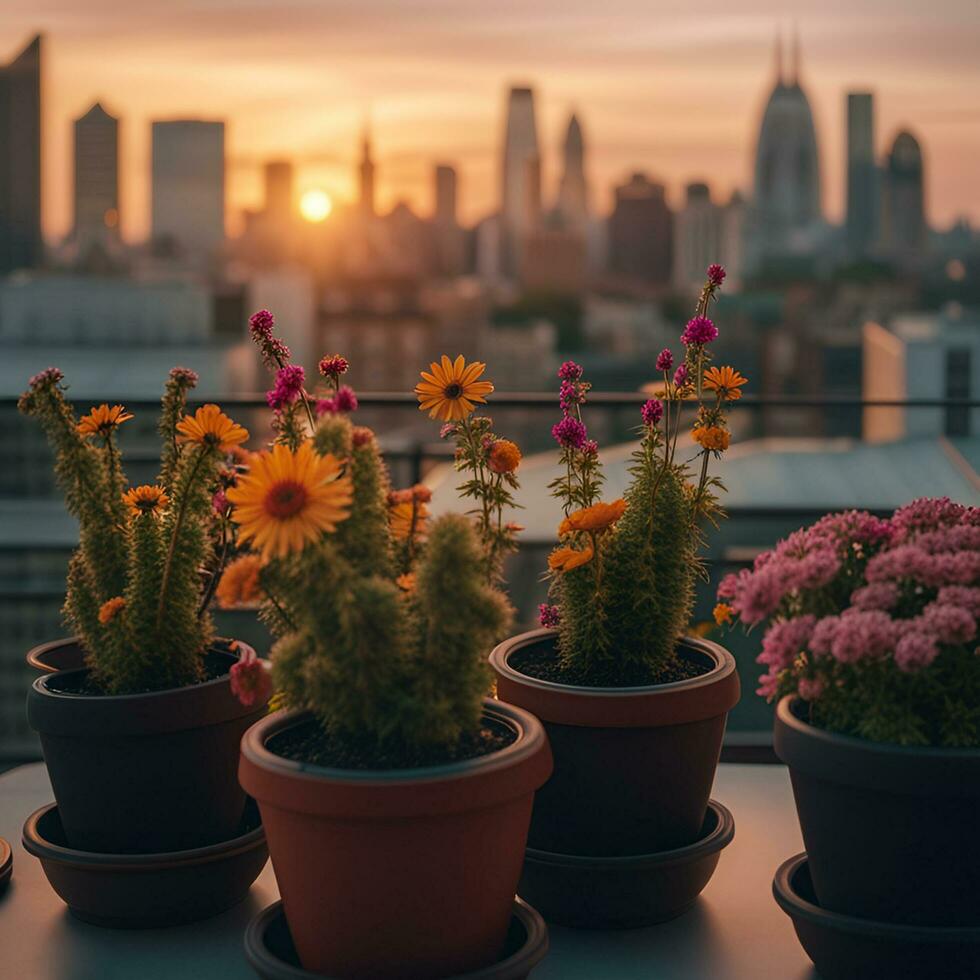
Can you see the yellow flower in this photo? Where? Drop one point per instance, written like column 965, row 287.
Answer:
column 239, row 585
column 406, row 582
column 287, row 500
column 598, row 517
column 726, row 381
column 723, row 613
column 102, row 421
column 110, row 609
column 712, row 437
column 448, row 391
column 406, row 518
column 565, row 559
column 145, row 500
column 505, row 456
column 209, row 426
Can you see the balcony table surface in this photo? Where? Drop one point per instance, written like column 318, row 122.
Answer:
column 734, row 932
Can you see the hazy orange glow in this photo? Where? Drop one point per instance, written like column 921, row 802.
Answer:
column 672, row 89
column 315, row 205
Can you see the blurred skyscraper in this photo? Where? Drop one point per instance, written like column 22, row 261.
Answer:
column 279, row 192
column 449, row 237
column 862, row 175
column 21, row 245
column 787, row 168
column 903, row 210
column 573, row 191
column 365, row 171
column 96, row 182
column 520, row 198
column 640, row 232
column 188, row 198
column 697, row 237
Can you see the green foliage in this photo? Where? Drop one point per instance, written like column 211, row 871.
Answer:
column 147, row 563
column 363, row 537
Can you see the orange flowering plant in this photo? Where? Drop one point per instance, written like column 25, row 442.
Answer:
column 451, row 391
column 622, row 575
column 136, row 595
column 372, row 601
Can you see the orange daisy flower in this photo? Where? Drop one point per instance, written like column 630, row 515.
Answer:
column 723, row 613
column 449, row 390
column 102, row 421
column 239, row 585
column 598, row 517
column 565, row 559
column 407, row 517
column 505, row 456
column 726, row 381
column 712, row 437
column 287, row 500
column 145, row 500
column 209, row 426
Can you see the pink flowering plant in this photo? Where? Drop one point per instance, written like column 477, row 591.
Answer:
column 872, row 623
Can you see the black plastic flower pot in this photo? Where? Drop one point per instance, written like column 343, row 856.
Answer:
column 139, row 891
column 143, row 773
column 845, row 947
column 890, row 830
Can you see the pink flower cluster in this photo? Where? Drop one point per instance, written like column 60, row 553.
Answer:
column 913, row 583
column 343, row 402
column 288, row 387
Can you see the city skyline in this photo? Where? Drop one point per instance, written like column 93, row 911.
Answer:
column 653, row 109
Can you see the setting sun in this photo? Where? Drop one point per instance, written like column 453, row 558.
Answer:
column 315, row 205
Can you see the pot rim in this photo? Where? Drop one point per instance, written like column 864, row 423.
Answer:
column 172, row 709
column 6, row 859
column 642, row 706
column 798, row 907
column 36, row 654
column 530, row 737
column 884, row 766
column 37, row 844
column 720, row 836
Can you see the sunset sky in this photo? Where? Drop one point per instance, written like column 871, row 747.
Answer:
column 665, row 86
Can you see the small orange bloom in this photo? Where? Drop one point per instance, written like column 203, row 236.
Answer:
column 406, row 582
column 723, row 613
column 505, row 456
column 209, row 426
column 598, row 517
column 726, row 381
column 239, row 585
column 566, row 558
column 102, row 421
column 712, row 437
column 145, row 500
column 110, row 609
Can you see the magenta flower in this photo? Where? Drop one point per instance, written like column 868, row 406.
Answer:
column 250, row 682
column 570, row 371
column 345, row 399
column 333, row 366
column 289, row 386
column 570, row 433
column 184, row 376
column 665, row 360
column 548, row 616
column 716, row 274
column 680, row 376
column 569, row 394
column 220, row 502
column 784, row 641
column 914, row 651
column 49, row 376
column 652, row 412
column 700, row 330
column 261, row 325
column 810, row 688
column 449, row 429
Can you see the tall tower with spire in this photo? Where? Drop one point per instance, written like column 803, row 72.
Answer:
column 787, row 163
column 520, row 177
column 366, row 176
column 96, row 179
column 573, row 191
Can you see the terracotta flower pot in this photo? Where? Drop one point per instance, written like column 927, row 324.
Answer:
column 633, row 765
column 143, row 773
column 55, row 655
column 408, row 872
column 890, row 830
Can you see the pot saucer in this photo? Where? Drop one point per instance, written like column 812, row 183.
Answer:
column 844, row 947
column 138, row 891
column 6, row 864
column 269, row 947
column 628, row 892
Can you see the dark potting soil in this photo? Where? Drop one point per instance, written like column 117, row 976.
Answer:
column 215, row 666
column 312, row 744
column 542, row 662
